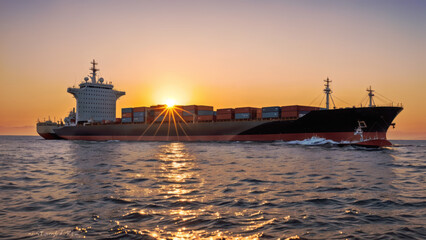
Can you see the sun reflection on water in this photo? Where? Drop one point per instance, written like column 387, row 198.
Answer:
column 180, row 192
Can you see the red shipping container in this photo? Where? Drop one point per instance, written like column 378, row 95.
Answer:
column 245, row 109
column 289, row 108
column 189, row 107
column 139, row 109
column 206, row 118
column 291, row 114
column 127, row 115
column 158, row 107
column 228, row 116
column 204, row 108
column 225, row 111
column 307, row 108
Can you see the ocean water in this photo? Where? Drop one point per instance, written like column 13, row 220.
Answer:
column 240, row 190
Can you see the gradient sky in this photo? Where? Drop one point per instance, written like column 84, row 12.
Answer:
column 220, row 53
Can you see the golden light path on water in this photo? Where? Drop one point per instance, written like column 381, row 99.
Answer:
column 180, row 183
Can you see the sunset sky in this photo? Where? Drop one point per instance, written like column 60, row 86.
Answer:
column 220, row 53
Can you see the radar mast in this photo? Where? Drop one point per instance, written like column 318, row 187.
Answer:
column 94, row 70
column 370, row 96
column 328, row 92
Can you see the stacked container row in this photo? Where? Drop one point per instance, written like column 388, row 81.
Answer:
column 296, row 111
column 205, row 114
column 271, row 112
column 225, row 114
column 127, row 115
column 139, row 114
column 194, row 113
column 246, row 113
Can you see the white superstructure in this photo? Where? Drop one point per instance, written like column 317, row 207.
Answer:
column 96, row 100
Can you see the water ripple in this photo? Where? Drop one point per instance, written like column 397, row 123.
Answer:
column 246, row 190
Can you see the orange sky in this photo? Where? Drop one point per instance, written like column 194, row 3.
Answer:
column 220, row 53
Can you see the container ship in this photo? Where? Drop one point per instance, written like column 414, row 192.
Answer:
column 95, row 119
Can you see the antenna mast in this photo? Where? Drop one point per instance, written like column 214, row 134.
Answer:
column 94, row 70
column 328, row 92
column 371, row 95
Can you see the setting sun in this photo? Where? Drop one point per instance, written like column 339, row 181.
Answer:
column 170, row 103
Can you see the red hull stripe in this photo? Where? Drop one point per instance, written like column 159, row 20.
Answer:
column 369, row 137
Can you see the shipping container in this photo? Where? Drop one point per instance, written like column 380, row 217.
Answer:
column 138, row 119
column 271, row 109
column 240, row 116
column 118, row 120
column 189, row 107
column 189, row 110
column 271, row 115
column 205, row 112
column 126, row 120
column 289, row 108
column 250, row 113
column 138, row 114
column 259, row 113
column 204, row 108
column 157, row 108
column 160, row 118
column 225, row 111
column 188, row 118
column 126, row 110
column 189, row 113
column 225, row 116
column 245, row 109
column 139, row 109
column 298, row 108
column 205, row 118
column 127, row 115
column 290, row 114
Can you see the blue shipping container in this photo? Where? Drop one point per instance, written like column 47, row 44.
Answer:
column 139, row 114
column 270, row 114
column 205, row 113
column 139, row 119
column 126, row 110
column 242, row 116
column 271, row 109
column 126, row 120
